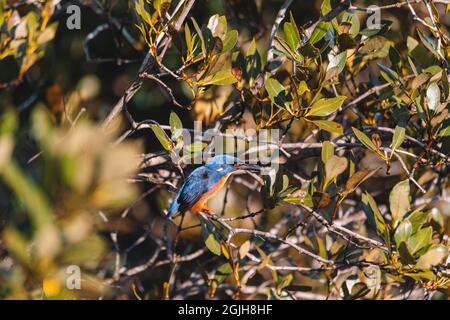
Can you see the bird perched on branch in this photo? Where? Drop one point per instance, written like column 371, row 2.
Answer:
column 204, row 182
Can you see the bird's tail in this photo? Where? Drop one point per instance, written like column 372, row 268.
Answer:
column 173, row 209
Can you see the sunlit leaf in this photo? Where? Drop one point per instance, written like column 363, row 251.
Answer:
column 291, row 35
column 319, row 32
column 325, row 107
column 230, row 41
column 398, row 138
column 162, row 137
column 403, row 232
column 421, row 239
column 176, row 125
column 211, row 236
column 366, row 141
column 222, row 77
column 276, row 92
column 399, row 201
column 330, row 126
column 327, row 151
column 435, row 255
column 375, row 217
column 335, row 166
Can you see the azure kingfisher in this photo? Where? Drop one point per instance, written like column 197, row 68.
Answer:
column 204, row 182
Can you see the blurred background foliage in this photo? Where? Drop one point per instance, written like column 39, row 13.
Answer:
column 373, row 104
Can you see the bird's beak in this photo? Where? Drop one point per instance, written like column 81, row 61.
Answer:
column 248, row 167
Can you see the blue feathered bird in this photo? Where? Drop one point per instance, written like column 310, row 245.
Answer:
column 204, row 182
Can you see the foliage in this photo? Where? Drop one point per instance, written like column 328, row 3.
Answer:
column 358, row 210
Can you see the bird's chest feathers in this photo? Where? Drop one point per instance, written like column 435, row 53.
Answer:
column 215, row 188
column 210, row 193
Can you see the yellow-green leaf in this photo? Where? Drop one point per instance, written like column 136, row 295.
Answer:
column 222, row 77
column 329, row 126
column 325, row 107
column 327, row 151
column 162, row 137
column 319, row 32
column 399, row 201
column 432, row 257
column 276, row 92
column 366, row 141
column 335, row 166
column 398, row 138
column 230, row 41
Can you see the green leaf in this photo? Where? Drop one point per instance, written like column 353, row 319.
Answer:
column 222, row 77
column 435, row 255
column 142, row 11
column 188, row 37
column 223, row 272
column 366, row 141
column 327, row 151
column 417, row 219
column 285, row 282
column 211, row 236
column 375, row 217
column 329, row 126
column 325, row 107
column 399, row 201
column 230, row 41
column 176, row 126
column 162, row 137
column 444, row 132
column 217, row 26
column 322, row 247
column 336, row 65
column 397, row 139
column 428, row 43
column 395, row 57
column 161, row 5
column 319, row 32
column 325, row 7
column 294, row 27
column 291, row 35
column 335, row 166
column 420, row 240
column 200, row 35
column 276, row 92
column 196, row 146
column 403, row 232
column 388, row 74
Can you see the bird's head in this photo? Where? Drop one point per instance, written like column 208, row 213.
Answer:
column 226, row 164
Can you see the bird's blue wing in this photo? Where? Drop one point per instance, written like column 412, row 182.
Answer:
column 196, row 185
column 200, row 181
column 174, row 207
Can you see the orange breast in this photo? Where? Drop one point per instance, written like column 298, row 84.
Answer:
column 199, row 205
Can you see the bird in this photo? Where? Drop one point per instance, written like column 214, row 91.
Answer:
column 204, row 182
